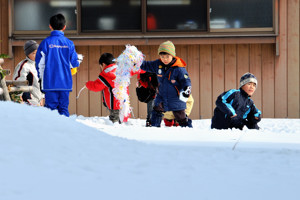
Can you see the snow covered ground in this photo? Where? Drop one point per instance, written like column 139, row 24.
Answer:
column 45, row 156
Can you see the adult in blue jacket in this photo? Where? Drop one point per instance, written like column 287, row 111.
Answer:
column 55, row 57
column 174, row 85
column 235, row 109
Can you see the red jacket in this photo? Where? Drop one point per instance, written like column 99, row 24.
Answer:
column 106, row 84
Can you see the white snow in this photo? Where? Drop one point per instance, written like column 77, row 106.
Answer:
column 45, row 156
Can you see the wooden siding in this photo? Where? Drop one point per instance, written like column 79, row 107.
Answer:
column 214, row 65
column 212, row 68
column 293, row 61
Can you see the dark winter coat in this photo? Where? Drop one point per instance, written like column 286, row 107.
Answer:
column 235, row 102
column 171, row 81
column 147, row 87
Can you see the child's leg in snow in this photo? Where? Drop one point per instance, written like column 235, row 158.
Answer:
column 150, row 105
column 114, row 115
column 63, row 107
column 182, row 118
column 157, row 115
column 51, row 100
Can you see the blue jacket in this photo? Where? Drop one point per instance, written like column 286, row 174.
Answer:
column 171, row 81
column 235, row 102
column 55, row 57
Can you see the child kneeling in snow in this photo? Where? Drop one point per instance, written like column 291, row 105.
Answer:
column 235, row 109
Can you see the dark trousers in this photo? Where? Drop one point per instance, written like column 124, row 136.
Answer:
column 114, row 115
column 150, row 105
column 180, row 117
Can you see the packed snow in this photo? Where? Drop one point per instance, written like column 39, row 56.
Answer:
column 46, row 156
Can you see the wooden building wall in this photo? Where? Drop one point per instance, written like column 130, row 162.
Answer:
column 213, row 67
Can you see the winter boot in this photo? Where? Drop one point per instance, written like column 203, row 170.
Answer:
column 186, row 123
column 148, row 123
column 168, row 122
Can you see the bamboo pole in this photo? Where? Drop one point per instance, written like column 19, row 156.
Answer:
column 20, row 89
column 17, row 83
column 3, row 83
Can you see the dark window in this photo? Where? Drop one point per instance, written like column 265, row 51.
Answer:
column 110, row 15
column 32, row 15
column 241, row 14
column 179, row 15
column 145, row 16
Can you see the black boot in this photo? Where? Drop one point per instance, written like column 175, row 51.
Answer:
column 148, row 123
column 186, row 123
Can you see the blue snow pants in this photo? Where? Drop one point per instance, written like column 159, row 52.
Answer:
column 58, row 100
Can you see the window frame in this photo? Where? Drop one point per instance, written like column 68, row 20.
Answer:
column 144, row 34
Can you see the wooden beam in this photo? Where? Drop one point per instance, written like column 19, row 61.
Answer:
column 116, row 41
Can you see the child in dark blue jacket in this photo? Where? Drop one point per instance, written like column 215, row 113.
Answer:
column 174, row 85
column 235, row 109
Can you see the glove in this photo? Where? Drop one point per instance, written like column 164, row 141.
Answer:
column 184, row 95
column 257, row 119
column 236, row 122
column 79, row 58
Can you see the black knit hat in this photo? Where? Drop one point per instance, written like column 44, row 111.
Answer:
column 247, row 78
column 30, row 46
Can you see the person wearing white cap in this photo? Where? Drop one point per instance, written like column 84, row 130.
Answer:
column 235, row 108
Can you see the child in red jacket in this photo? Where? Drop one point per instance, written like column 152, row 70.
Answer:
column 106, row 84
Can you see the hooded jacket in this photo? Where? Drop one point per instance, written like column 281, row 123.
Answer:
column 171, row 81
column 106, row 84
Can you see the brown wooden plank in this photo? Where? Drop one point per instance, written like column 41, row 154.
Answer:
column 72, row 97
column 281, row 95
column 215, row 39
column 134, row 103
column 153, row 54
column 193, row 62
column 256, row 69
column 142, row 112
column 217, row 70
column 242, row 61
column 4, row 23
column 268, row 78
column 105, row 49
column 82, row 78
column 230, row 66
column 19, row 55
column 95, row 100
column 1, row 26
column 206, row 102
column 293, row 59
column 182, row 52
